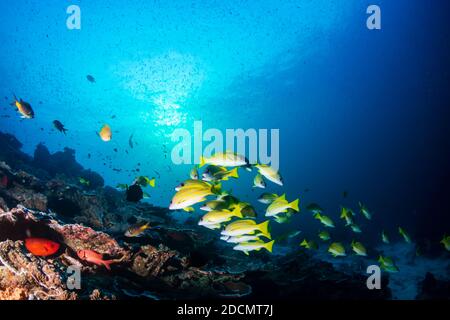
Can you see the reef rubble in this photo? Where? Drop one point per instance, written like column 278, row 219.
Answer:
column 174, row 261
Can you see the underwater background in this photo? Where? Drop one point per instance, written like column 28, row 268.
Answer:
column 361, row 112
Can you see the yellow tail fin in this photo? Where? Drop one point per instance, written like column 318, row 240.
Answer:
column 269, row 245
column 264, row 228
column 294, row 205
column 202, row 162
column 237, row 212
column 152, row 182
column 234, row 173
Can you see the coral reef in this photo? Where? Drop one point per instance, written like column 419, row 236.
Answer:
column 431, row 288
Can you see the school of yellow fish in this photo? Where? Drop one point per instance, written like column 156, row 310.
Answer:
column 236, row 220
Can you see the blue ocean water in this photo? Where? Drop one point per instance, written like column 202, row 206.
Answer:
column 359, row 111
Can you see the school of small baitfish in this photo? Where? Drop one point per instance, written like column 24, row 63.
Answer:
column 236, row 220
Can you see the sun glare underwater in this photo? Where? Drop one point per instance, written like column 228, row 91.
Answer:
column 354, row 120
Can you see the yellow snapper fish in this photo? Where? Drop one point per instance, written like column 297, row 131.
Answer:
column 188, row 196
column 358, row 248
column 258, row 182
column 220, row 216
column 225, row 201
column 284, row 217
column 308, row 244
column 213, row 226
column 246, row 247
column 194, row 173
column 404, row 234
column 326, row 221
column 314, row 208
column 267, row 198
column 220, row 175
column 246, row 208
column 24, row 108
column 347, row 215
column 105, row 133
column 229, row 199
column 137, row 230
column 337, row 249
column 246, row 227
column 387, row 264
column 324, row 235
column 224, row 159
column 280, row 205
column 215, row 205
column 240, row 239
column 384, row 237
column 270, row 173
column 145, row 181
column 364, row 211
column 446, row 242
column 84, row 181
column 385, row 260
column 191, row 183
column 355, row 228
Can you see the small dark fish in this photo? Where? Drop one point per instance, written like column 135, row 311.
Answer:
column 113, row 116
column 90, row 78
column 134, row 193
column 89, row 155
column 59, row 126
column 344, row 194
column 115, row 149
column 130, row 141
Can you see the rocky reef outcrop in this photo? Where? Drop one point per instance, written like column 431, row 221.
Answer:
column 432, row 288
column 173, row 261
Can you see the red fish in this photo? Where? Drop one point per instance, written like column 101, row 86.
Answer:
column 95, row 258
column 41, row 247
column 5, row 181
